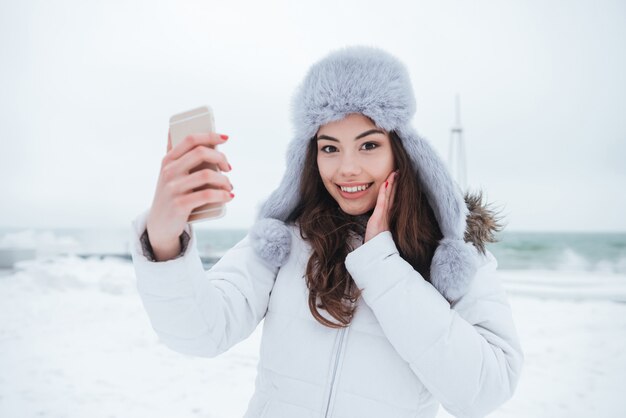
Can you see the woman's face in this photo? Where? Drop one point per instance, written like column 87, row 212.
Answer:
column 354, row 154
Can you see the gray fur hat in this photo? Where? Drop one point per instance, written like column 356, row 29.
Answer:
column 370, row 81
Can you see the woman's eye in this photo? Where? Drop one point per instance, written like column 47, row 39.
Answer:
column 374, row 145
column 326, row 147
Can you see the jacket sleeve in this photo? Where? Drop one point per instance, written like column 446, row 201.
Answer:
column 198, row 312
column 467, row 354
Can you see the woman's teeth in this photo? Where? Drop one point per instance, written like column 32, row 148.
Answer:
column 355, row 188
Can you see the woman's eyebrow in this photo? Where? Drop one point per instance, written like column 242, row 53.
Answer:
column 366, row 133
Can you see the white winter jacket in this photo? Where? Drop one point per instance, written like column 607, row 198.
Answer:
column 406, row 351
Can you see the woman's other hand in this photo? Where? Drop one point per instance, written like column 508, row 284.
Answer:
column 175, row 198
column 379, row 221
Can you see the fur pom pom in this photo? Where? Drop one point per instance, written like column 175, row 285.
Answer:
column 453, row 268
column 271, row 240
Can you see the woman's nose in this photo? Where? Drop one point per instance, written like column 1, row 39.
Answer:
column 350, row 166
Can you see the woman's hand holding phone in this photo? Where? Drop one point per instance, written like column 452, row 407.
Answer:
column 175, row 198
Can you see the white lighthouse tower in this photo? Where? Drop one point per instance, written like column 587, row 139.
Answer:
column 456, row 155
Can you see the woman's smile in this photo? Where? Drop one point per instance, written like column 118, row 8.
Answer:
column 354, row 191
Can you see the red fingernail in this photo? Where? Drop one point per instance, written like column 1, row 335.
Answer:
column 224, row 137
column 229, row 167
column 386, row 184
column 232, row 195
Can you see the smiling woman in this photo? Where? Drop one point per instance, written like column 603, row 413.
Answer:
column 370, row 233
column 347, row 169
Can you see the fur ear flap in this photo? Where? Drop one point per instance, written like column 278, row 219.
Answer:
column 453, row 267
column 271, row 240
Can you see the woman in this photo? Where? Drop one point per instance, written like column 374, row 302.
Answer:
column 367, row 263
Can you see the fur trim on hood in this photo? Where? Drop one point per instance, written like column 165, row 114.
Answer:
column 482, row 222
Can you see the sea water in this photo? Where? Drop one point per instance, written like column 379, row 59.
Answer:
column 597, row 252
column 592, row 252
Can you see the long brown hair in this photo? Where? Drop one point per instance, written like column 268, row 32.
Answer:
column 326, row 227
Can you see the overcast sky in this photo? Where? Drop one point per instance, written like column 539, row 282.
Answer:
column 87, row 89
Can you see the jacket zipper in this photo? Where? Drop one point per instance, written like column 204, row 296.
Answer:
column 332, row 382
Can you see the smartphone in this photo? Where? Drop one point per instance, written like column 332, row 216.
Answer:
column 198, row 120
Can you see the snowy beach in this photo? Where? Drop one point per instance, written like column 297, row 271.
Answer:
column 523, row 103
column 76, row 342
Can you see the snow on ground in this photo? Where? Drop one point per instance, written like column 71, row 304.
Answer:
column 76, row 342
